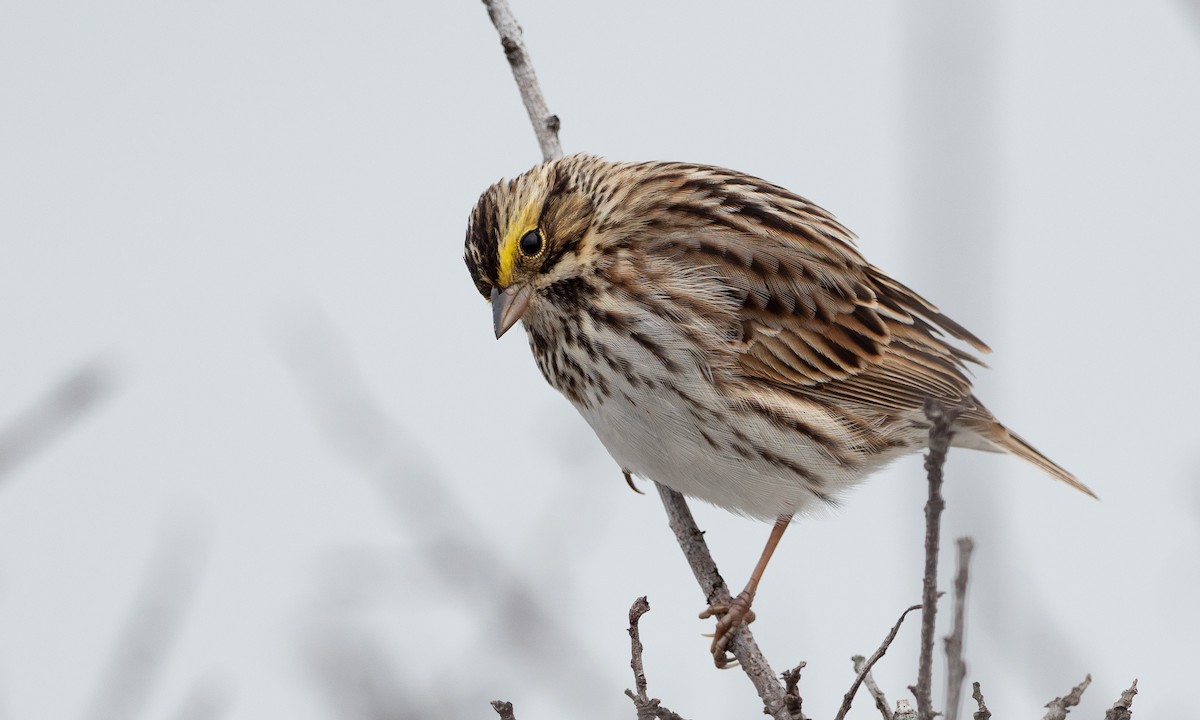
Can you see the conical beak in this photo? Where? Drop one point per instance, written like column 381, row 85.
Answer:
column 508, row 306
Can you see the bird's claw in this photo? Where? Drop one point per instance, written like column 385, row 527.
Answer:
column 732, row 616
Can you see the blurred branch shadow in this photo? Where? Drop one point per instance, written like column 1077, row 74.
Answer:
column 1191, row 8
column 55, row 413
column 151, row 629
column 454, row 552
column 170, row 580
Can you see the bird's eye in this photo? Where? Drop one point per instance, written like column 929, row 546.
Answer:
column 531, row 243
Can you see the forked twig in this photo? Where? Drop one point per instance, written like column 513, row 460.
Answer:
column 881, row 701
column 848, row 698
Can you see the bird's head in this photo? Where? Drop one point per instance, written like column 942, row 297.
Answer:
column 530, row 234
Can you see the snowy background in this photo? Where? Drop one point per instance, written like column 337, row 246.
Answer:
column 312, row 485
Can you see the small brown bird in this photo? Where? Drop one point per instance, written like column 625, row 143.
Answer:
column 722, row 336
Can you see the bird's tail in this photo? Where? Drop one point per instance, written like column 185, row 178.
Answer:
column 1011, row 442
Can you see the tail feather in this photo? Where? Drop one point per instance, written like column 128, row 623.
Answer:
column 1015, row 444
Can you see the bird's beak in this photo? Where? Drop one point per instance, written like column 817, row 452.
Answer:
column 508, row 306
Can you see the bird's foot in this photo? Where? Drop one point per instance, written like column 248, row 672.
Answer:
column 732, row 616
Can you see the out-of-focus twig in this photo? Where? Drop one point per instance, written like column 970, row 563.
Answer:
column 1060, row 706
column 1122, row 708
column 153, row 624
column 545, row 125
column 504, row 709
column 363, row 681
column 206, row 701
column 881, row 701
column 848, row 698
column 1192, row 8
column 54, row 413
column 742, row 646
column 940, row 420
column 956, row 666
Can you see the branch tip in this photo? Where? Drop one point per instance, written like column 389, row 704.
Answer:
column 1122, row 708
column 504, row 709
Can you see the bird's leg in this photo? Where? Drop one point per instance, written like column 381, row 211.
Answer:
column 738, row 611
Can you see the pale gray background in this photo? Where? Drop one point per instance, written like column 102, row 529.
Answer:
column 221, row 199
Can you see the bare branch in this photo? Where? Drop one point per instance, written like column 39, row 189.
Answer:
column 941, row 421
column 791, row 692
column 848, row 698
column 691, row 540
column 956, row 666
column 54, row 413
column 742, row 646
column 1060, row 706
column 982, row 713
column 1121, row 709
column 504, row 709
column 881, row 703
column 545, row 125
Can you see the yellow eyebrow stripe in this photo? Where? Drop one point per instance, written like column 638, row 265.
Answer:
column 522, row 222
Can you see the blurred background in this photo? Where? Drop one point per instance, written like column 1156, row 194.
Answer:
column 260, row 455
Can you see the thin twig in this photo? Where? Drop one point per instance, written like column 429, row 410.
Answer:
column 545, row 125
column 848, row 698
column 881, row 702
column 640, row 607
column 648, row 708
column 956, row 666
column 1060, row 706
column 982, row 713
column 742, row 646
column 1122, row 709
column 941, row 421
column 791, row 692
column 54, row 413
column 504, row 709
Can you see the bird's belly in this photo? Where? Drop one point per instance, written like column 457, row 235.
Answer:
column 670, row 411
column 696, row 443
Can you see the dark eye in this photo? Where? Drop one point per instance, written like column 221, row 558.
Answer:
column 531, row 243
